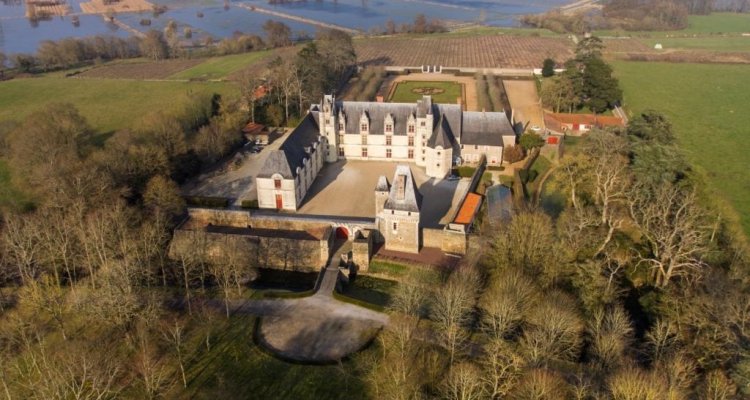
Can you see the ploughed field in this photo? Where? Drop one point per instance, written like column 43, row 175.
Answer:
column 492, row 51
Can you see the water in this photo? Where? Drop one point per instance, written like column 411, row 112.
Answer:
column 18, row 35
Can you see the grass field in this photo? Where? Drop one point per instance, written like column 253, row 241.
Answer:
column 221, row 67
column 707, row 104
column 441, row 92
column 236, row 368
column 712, row 43
column 697, row 25
column 108, row 105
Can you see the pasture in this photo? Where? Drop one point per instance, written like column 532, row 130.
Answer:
column 441, row 92
column 707, row 104
column 138, row 68
column 107, row 104
column 222, row 67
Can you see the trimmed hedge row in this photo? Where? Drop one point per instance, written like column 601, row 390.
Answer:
column 465, row 171
column 346, row 299
column 252, row 204
column 207, row 201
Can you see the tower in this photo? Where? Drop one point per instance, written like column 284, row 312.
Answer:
column 381, row 194
column 398, row 219
column 328, row 127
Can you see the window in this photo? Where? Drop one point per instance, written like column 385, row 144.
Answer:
column 388, row 141
column 277, row 183
column 438, row 153
column 364, row 152
column 411, row 140
column 363, row 128
column 341, row 151
column 395, row 226
column 437, row 165
column 364, row 139
column 422, row 151
column 411, row 154
column 422, row 159
column 388, row 128
column 341, row 138
column 411, row 128
column 387, row 153
column 476, row 147
column 328, row 121
column 341, row 126
column 423, row 123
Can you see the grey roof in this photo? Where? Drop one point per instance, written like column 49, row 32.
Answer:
column 412, row 200
column 424, row 106
column 485, row 128
column 376, row 113
column 291, row 155
column 383, row 185
column 442, row 136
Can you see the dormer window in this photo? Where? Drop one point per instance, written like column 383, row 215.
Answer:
column 363, row 128
column 411, row 128
column 277, row 183
column 341, row 126
column 388, row 128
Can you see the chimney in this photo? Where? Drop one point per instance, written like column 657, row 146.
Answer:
column 379, row 98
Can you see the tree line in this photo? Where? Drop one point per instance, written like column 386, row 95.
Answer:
column 635, row 290
column 155, row 45
column 586, row 82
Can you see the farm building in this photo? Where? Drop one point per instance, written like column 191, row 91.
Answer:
column 577, row 124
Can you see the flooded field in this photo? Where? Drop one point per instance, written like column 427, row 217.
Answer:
column 218, row 19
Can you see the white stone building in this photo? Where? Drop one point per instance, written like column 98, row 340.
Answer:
column 433, row 136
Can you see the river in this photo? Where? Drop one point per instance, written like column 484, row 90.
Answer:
column 216, row 19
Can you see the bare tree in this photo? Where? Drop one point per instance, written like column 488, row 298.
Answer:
column 174, row 334
column 554, row 332
column 463, row 382
column 501, row 368
column 46, row 296
column 611, row 334
column 505, row 303
column 251, row 90
column 675, row 232
column 451, row 308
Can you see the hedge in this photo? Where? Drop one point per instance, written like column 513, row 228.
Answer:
column 496, row 168
column 465, row 171
column 207, row 201
column 346, row 299
column 249, row 204
column 277, row 294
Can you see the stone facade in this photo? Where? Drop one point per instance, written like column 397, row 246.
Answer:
column 398, row 219
column 432, row 136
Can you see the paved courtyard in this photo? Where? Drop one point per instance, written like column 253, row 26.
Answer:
column 347, row 188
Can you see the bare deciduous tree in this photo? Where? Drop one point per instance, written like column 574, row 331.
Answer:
column 674, row 230
column 463, row 382
column 451, row 308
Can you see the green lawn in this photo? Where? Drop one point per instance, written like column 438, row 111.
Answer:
column 713, row 43
column 411, row 91
column 108, row 105
column 707, row 104
column 236, row 368
column 221, row 67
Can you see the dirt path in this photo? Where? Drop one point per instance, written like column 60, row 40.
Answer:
column 524, row 101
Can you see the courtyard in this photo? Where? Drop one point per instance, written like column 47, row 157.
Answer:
column 347, row 188
column 444, row 88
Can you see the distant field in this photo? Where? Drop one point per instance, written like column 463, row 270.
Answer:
column 500, row 51
column 707, row 103
column 441, row 92
column 697, row 25
column 107, row 104
column 221, row 67
column 139, row 69
column 712, row 43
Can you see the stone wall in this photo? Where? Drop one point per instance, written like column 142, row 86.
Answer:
column 454, row 242
column 432, row 238
column 362, row 250
column 279, row 252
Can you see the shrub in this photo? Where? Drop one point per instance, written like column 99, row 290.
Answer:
column 548, row 69
column 206, row 201
column 253, row 204
column 496, row 168
column 513, row 154
column 531, row 140
column 465, row 172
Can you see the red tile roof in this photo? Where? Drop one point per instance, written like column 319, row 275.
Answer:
column 587, row 119
column 253, row 128
column 468, row 209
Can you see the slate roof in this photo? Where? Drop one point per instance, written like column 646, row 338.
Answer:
column 443, row 135
column 292, row 154
column 383, row 185
column 412, row 200
column 376, row 113
column 485, row 128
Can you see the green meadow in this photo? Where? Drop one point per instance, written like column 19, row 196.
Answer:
column 707, row 104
